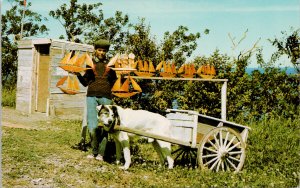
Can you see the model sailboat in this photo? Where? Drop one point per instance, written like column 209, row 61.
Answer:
column 145, row 69
column 69, row 85
column 206, row 71
column 187, row 70
column 76, row 63
column 126, row 89
column 168, row 69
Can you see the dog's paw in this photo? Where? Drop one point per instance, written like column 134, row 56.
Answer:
column 170, row 167
column 99, row 158
column 91, row 156
column 123, row 167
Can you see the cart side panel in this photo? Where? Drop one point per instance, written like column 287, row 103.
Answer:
column 215, row 122
column 184, row 127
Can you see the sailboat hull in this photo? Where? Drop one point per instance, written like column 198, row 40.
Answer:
column 206, row 76
column 187, row 75
column 166, row 74
column 72, row 68
column 125, row 95
column 67, row 91
column 143, row 74
column 72, row 85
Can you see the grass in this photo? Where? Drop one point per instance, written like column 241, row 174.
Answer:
column 43, row 158
column 9, row 96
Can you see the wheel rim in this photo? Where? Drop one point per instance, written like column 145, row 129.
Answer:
column 222, row 149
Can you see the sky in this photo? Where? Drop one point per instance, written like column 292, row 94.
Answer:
column 263, row 19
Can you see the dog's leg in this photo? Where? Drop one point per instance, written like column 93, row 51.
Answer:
column 118, row 150
column 165, row 148
column 158, row 150
column 124, row 139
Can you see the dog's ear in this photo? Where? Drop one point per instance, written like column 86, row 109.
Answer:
column 115, row 110
column 99, row 107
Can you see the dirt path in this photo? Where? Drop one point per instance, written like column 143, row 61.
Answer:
column 16, row 119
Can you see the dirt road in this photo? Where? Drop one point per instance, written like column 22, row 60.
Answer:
column 13, row 118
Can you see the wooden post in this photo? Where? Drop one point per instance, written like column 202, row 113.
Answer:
column 223, row 100
column 223, row 90
column 48, row 107
column 22, row 19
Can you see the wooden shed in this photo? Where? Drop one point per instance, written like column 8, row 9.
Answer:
column 38, row 73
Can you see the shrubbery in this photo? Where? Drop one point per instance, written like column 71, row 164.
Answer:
column 257, row 95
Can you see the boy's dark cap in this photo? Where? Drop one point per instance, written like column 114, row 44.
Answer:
column 102, row 43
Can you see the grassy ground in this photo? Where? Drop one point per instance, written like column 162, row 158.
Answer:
column 42, row 157
column 8, row 97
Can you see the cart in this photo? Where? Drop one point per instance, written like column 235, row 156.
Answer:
column 217, row 144
column 220, row 145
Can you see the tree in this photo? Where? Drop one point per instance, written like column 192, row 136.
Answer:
column 86, row 23
column 179, row 45
column 289, row 45
column 141, row 43
column 111, row 28
column 11, row 30
column 78, row 19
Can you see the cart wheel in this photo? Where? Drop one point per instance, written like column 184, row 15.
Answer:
column 185, row 156
column 222, row 149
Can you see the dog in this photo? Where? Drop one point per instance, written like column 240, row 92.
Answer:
column 112, row 115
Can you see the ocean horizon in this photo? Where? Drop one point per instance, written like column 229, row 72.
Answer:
column 288, row 70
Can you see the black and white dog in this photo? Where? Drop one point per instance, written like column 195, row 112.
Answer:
column 111, row 115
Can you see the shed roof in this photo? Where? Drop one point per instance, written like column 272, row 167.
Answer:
column 29, row 43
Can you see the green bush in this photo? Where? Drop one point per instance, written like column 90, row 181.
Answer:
column 256, row 95
column 9, row 96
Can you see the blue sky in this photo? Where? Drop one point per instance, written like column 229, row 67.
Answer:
column 264, row 19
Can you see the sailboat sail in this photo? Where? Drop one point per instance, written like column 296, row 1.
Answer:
column 117, row 85
column 126, row 89
column 173, row 68
column 206, row 71
column 145, row 69
column 75, row 64
column 66, row 59
column 125, row 86
column 140, row 65
column 168, row 70
column 159, row 66
column 135, row 86
column 72, row 85
column 151, row 67
column 187, row 70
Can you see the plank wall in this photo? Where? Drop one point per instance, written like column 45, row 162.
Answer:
column 25, row 79
column 61, row 104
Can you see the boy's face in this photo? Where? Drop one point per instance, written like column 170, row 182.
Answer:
column 100, row 53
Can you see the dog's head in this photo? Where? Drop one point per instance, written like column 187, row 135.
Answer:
column 108, row 116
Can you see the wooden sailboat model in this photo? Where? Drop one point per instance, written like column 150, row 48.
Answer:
column 126, row 89
column 206, row 71
column 168, row 69
column 122, row 64
column 187, row 70
column 69, row 84
column 145, row 69
column 76, row 64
